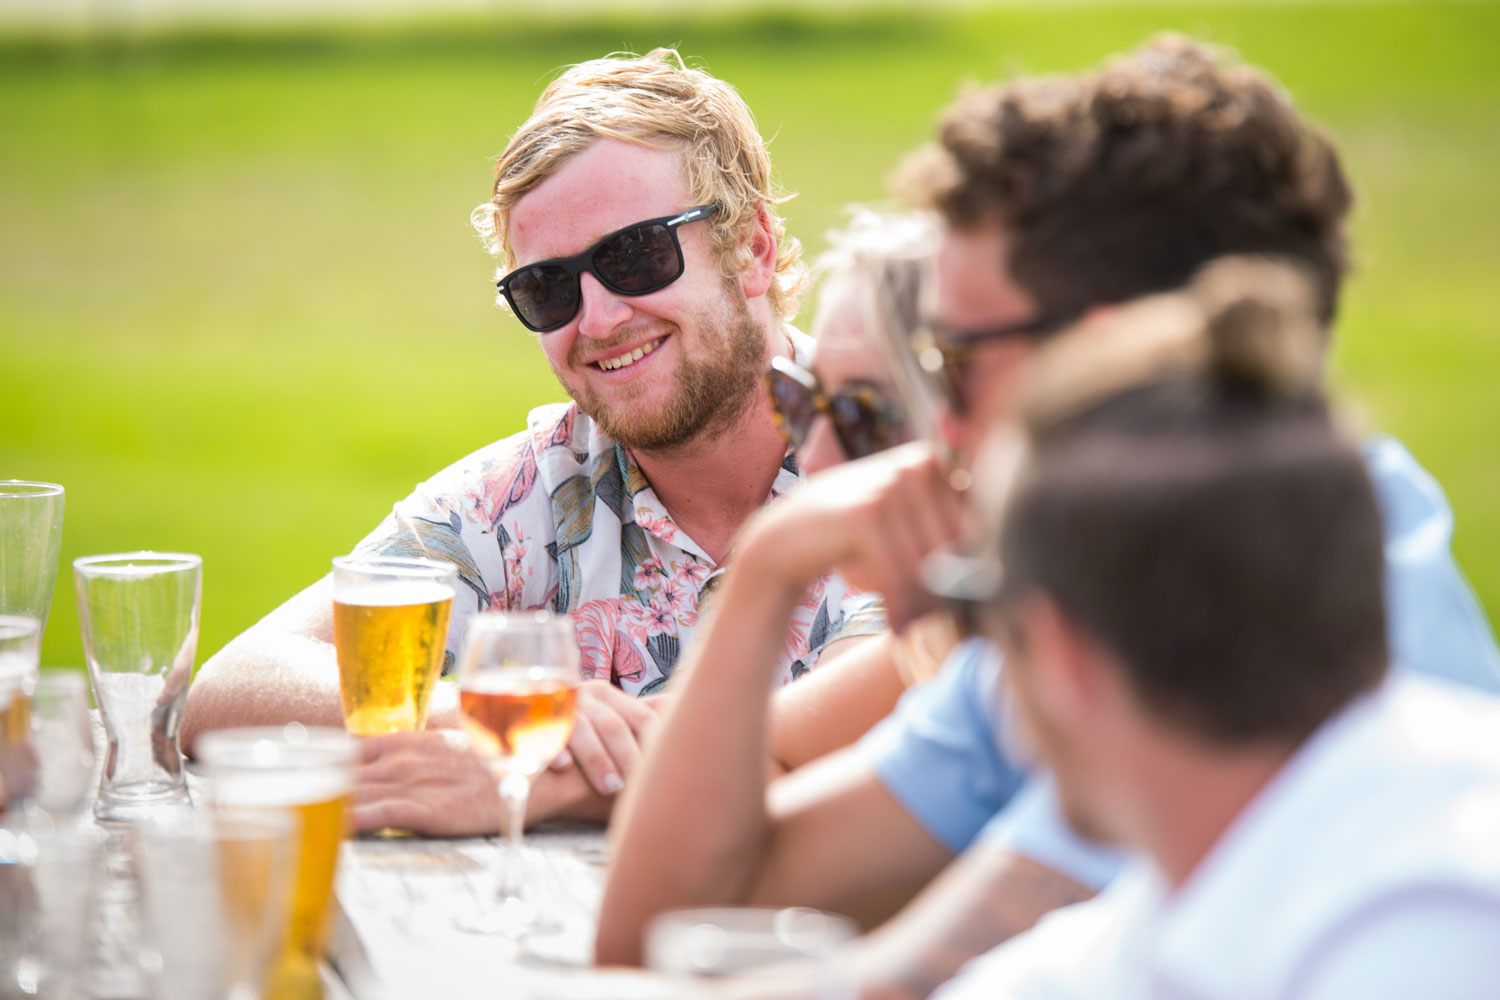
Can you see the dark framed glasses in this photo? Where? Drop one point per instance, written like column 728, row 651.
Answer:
column 639, row 259
column 944, row 353
column 864, row 418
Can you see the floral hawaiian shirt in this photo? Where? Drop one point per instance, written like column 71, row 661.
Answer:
column 559, row 516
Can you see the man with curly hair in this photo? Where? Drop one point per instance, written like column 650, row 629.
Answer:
column 1060, row 198
column 635, row 217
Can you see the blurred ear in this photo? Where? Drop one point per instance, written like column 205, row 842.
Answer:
column 1065, row 663
column 755, row 280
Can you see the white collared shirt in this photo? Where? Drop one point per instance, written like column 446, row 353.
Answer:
column 1368, row 868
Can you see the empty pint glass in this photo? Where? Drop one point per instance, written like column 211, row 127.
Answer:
column 31, row 518
column 306, row 774
column 139, row 616
column 390, row 627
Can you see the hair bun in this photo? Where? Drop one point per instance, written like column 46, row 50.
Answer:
column 1260, row 318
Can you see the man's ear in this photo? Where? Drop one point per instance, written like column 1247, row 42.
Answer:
column 1064, row 660
column 756, row 279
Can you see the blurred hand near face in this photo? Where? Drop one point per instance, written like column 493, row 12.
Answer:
column 873, row 520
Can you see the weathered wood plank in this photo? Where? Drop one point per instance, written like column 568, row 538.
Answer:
column 403, row 903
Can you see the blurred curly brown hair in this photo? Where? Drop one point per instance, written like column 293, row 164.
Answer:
column 1127, row 180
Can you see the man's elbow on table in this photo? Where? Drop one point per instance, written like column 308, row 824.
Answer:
column 263, row 678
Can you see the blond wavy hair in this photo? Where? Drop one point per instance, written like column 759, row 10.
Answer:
column 654, row 100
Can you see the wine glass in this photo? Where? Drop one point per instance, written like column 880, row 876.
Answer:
column 518, row 687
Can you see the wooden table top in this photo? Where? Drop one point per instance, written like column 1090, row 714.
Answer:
column 398, row 902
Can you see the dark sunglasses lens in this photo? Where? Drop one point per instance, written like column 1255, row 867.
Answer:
column 639, row 260
column 544, row 297
column 795, row 404
column 863, row 426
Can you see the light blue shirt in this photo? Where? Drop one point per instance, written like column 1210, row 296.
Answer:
column 940, row 752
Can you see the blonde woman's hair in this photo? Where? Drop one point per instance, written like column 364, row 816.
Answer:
column 654, row 100
column 888, row 252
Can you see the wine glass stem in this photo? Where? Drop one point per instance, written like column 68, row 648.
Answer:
column 514, row 789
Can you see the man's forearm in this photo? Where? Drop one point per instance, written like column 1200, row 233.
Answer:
column 264, row 679
column 982, row 899
column 693, row 820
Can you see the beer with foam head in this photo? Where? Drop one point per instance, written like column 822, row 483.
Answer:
column 307, row 774
column 390, row 628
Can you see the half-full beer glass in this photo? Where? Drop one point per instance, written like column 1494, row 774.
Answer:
column 31, row 518
column 308, row 774
column 390, row 627
column 139, row 616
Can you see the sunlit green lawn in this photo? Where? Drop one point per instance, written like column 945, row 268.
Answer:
column 241, row 310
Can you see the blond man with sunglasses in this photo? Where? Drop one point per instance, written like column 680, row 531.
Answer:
column 635, row 216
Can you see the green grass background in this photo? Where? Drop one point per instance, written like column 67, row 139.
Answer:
column 241, row 310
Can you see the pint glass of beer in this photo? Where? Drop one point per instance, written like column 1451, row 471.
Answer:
column 390, row 627
column 308, row 774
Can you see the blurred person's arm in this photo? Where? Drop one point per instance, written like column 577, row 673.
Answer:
column 981, row 900
column 697, row 827
column 855, row 686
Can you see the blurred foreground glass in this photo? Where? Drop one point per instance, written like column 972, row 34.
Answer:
column 390, row 628
column 48, row 879
column 138, row 612
column 18, row 677
column 214, row 891
column 308, row 774
column 796, row 943
column 31, row 519
column 518, row 687
column 64, row 742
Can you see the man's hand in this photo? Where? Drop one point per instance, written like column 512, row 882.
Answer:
column 607, row 733
column 434, row 783
column 873, row 520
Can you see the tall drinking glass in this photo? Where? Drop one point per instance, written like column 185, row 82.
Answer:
column 18, row 677
column 308, row 774
column 31, row 518
column 139, row 616
column 214, row 893
column 518, row 686
column 390, row 627
column 63, row 741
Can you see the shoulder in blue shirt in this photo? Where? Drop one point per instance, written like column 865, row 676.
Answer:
column 939, row 752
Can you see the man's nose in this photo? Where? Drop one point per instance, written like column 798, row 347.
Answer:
column 600, row 311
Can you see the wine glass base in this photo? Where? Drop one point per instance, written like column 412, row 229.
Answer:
column 511, row 918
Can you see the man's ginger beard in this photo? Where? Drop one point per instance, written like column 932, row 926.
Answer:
column 712, row 389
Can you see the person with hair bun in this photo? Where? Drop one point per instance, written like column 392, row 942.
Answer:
column 1059, row 199
column 1185, row 579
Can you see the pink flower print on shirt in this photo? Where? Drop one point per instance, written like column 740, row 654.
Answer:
column 661, row 527
column 661, row 618
column 675, row 598
column 485, row 502
column 516, row 570
column 647, row 573
column 801, row 624
column 606, row 650
column 692, row 573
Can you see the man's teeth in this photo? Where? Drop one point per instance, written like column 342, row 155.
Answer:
column 626, row 359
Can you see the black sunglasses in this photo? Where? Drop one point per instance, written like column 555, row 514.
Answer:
column 636, row 260
column 944, row 353
column 864, row 419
